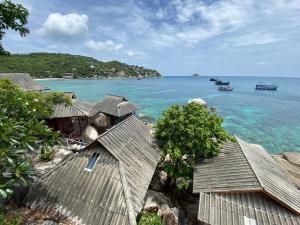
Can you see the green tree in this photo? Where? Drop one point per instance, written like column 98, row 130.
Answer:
column 186, row 135
column 23, row 129
column 14, row 17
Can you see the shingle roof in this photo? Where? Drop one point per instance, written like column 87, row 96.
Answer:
column 114, row 105
column 24, row 81
column 114, row 191
column 77, row 109
column 237, row 208
column 243, row 167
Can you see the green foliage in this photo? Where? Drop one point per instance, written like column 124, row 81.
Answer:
column 150, row 219
column 55, row 65
column 9, row 220
column 188, row 134
column 23, row 129
column 14, row 17
column 47, row 153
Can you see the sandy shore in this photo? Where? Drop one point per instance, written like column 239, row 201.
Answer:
column 49, row 79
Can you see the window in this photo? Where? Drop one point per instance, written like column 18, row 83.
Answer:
column 249, row 221
column 92, row 162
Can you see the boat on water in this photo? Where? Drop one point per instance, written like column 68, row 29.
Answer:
column 225, row 88
column 268, row 87
column 219, row 82
column 212, row 79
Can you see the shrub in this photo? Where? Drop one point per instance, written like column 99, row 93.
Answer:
column 150, row 219
column 188, row 134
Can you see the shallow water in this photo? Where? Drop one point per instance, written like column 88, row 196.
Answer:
column 269, row 118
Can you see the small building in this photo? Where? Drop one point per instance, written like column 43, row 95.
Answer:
column 70, row 120
column 117, row 108
column 106, row 182
column 68, row 75
column 245, row 186
column 24, row 81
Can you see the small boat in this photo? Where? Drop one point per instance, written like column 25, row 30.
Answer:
column 212, row 79
column 269, row 87
column 219, row 82
column 225, row 88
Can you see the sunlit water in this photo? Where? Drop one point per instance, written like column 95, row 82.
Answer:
column 269, row 118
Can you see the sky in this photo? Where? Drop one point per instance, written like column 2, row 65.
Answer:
column 175, row 37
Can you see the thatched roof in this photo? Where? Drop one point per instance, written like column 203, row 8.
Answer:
column 24, row 81
column 114, row 105
column 245, row 168
column 113, row 191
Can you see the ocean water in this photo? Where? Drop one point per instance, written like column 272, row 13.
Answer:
column 269, row 118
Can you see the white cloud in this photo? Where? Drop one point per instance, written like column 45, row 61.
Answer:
column 256, row 38
column 69, row 25
column 108, row 45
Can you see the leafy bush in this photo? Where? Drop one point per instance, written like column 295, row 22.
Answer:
column 23, row 129
column 9, row 220
column 188, row 134
column 150, row 219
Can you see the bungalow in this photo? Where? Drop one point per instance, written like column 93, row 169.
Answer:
column 68, row 75
column 115, row 108
column 245, row 186
column 70, row 120
column 24, row 81
column 106, row 182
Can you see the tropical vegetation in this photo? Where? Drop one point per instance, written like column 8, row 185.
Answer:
column 14, row 17
column 188, row 134
column 23, row 130
column 150, row 219
column 45, row 65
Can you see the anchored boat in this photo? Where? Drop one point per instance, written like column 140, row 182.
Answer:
column 219, row 82
column 212, row 79
column 225, row 88
column 269, row 87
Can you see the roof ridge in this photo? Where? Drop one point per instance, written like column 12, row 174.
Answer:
column 128, row 197
column 259, row 180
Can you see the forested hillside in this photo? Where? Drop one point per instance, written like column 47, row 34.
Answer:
column 44, row 65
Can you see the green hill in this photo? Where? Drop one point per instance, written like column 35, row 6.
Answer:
column 45, row 65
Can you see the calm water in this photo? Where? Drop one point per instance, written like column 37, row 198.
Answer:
column 269, row 118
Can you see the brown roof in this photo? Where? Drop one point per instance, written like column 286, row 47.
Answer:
column 245, row 168
column 113, row 192
column 24, row 81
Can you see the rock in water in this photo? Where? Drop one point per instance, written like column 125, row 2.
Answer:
column 90, row 134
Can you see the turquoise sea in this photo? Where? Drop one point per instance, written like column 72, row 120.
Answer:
column 269, row 118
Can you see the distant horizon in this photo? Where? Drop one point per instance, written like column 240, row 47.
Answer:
column 174, row 37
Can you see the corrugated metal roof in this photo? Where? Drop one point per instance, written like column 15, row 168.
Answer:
column 24, row 81
column 230, row 171
column 77, row 109
column 238, row 208
column 242, row 168
column 113, row 192
column 114, row 105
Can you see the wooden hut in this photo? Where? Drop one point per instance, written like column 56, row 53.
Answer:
column 245, row 186
column 71, row 120
column 115, row 108
column 106, row 182
column 24, row 81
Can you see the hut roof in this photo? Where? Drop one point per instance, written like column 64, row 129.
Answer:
column 113, row 191
column 114, row 105
column 250, row 208
column 24, row 81
column 77, row 109
column 242, row 168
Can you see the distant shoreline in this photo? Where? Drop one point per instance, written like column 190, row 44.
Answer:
column 48, row 79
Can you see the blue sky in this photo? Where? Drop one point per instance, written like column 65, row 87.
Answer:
column 176, row 37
